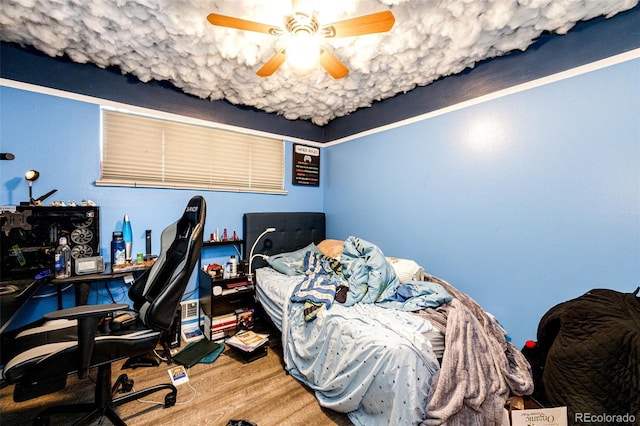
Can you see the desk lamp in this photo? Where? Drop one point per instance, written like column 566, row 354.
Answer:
column 31, row 176
column 251, row 255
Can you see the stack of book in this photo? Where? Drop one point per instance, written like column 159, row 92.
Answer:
column 248, row 340
column 249, row 344
column 225, row 325
column 221, row 324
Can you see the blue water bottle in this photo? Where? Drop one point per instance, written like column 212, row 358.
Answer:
column 117, row 249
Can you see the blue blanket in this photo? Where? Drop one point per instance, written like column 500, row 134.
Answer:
column 365, row 357
column 369, row 277
column 317, row 286
column 373, row 363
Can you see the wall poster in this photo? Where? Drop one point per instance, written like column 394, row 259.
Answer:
column 306, row 165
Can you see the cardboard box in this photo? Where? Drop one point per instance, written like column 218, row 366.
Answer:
column 540, row 417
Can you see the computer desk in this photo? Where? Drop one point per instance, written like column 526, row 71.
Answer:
column 82, row 283
column 15, row 295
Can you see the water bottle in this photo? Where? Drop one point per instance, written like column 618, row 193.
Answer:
column 63, row 259
column 234, row 267
column 117, row 249
column 226, row 274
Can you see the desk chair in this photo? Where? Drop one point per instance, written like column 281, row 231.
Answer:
column 77, row 339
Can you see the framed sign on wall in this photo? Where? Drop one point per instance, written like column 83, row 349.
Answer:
column 306, row 165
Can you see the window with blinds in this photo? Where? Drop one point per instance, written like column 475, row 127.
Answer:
column 152, row 152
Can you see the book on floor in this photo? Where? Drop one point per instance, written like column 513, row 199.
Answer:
column 248, row 340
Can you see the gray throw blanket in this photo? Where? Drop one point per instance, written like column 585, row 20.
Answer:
column 479, row 368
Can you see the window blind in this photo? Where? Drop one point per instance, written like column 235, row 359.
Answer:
column 151, row 152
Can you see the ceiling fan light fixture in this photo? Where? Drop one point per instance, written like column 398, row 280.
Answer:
column 302, row 6
column 303, row 35
column 303, row 50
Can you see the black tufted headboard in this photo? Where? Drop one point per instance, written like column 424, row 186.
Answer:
column 294, row 230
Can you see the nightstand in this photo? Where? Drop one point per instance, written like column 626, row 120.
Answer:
column 227, row 305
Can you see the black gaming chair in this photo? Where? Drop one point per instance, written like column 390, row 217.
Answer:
column 77, row 339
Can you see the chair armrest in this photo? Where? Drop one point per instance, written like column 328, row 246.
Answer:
column 79, row 312
column 88, row 317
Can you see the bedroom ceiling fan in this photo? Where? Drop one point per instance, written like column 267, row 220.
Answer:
column 305, row 33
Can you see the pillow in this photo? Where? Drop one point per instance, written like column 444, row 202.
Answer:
column 331, row 248
column 291, row 263
column 406, row 270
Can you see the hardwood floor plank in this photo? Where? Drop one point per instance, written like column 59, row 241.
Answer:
column 259, row 391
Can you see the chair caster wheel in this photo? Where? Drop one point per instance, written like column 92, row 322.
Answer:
column 170, row 400
column 127, row 386
column 122, row 385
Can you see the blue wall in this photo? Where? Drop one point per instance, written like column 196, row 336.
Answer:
column 61, row 139
column 523, row 202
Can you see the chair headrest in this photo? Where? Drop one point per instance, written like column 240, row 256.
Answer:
column 193, row 215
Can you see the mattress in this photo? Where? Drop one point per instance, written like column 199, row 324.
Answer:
column 274, row 289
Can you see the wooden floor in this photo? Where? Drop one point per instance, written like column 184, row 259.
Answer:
column 260, row 392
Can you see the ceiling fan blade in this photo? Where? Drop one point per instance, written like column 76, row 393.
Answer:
column 242, row 24
column 333, row 66
column 367, row 24
column 272, row 64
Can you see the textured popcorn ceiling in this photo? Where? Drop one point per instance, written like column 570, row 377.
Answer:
column 171, row 40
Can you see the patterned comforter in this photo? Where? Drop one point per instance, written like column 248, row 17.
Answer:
column 371, row 358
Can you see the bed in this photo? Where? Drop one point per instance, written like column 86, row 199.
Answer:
column 376, row 337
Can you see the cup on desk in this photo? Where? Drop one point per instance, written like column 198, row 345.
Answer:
column 140, row 257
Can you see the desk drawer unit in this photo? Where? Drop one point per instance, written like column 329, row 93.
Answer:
column 223, row 303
